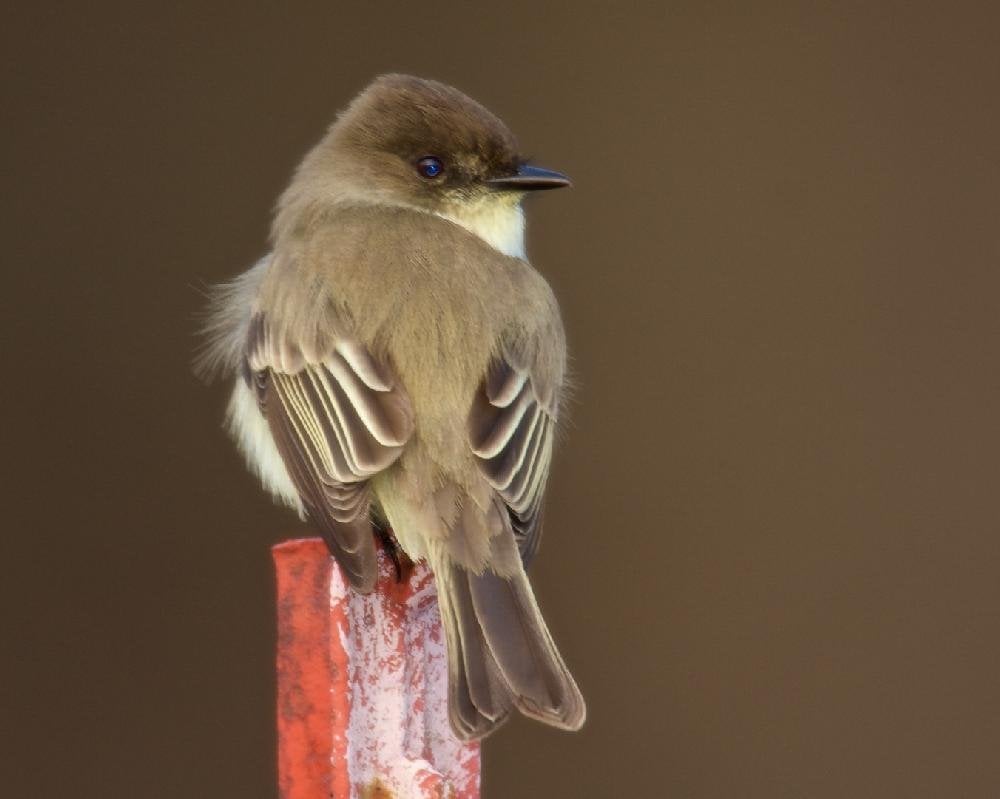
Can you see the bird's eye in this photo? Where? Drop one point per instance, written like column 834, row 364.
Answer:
column 430, row 167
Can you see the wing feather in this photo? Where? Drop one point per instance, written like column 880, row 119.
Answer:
column 337, row 420
column 511, row 431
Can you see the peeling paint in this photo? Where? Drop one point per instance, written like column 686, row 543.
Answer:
column 382, row 686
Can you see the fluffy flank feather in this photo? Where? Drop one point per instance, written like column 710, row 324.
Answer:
column 227, row 322
column 250, row 430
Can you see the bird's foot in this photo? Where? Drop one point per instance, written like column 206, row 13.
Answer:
column 402, row 564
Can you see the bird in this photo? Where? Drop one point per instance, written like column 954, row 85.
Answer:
column 399, row 365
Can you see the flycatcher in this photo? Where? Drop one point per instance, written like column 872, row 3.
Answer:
column 399, row 365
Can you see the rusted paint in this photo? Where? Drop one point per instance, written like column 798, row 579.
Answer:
column 362, row 685
column 376, row 790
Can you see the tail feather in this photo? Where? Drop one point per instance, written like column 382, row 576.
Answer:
column 530, row 664
column 467, row 719
column 491, row 703
column 500, row 652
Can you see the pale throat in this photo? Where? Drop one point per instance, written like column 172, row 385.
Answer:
column 497, row 220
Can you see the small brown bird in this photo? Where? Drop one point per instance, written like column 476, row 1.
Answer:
column 399, row 364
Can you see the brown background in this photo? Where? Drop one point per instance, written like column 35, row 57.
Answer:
column 772, row 551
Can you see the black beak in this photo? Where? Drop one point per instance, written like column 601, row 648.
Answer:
column 530, row 178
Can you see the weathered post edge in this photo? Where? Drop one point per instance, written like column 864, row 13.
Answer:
column 362, row 685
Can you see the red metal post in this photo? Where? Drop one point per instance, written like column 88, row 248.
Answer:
column 363, row 686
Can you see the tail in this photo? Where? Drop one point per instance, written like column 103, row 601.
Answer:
column 500, row 653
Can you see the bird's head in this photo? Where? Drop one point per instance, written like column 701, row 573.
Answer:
column 419, row 143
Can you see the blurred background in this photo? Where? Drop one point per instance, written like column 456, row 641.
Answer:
column 771, row 554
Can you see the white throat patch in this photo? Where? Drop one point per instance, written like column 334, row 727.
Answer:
column 499, row 221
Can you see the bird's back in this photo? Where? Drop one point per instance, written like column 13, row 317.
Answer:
column 421, row 292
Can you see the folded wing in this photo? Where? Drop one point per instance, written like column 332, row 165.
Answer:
column 511, row 430
column 338, row 417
